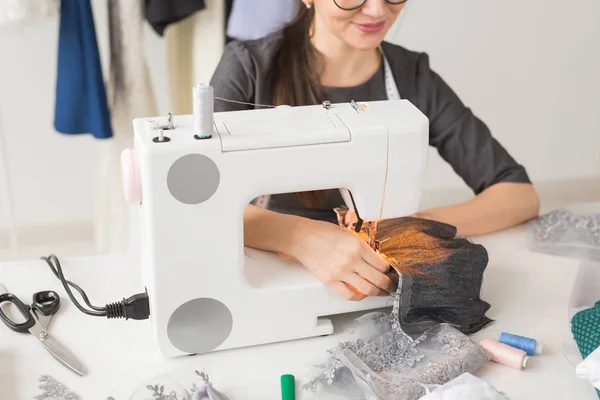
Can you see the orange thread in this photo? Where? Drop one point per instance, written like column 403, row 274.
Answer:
column 355, row 290
column 406, row 241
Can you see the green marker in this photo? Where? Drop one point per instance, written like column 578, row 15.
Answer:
column 288, row 387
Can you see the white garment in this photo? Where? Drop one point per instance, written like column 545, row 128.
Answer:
column 14, row 13
column 194, row 48
column 130, row 96
column 465, row 387
column 589, row 369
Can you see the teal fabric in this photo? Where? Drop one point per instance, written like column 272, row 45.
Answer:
column 585, row 326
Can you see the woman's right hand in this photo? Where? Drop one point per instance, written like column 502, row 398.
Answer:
column 341, row 260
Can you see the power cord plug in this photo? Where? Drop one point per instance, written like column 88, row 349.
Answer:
column 135, row 307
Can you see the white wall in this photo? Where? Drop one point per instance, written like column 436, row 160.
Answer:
column 530, row 69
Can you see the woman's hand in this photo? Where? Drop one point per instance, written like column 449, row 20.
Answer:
column 341, row 260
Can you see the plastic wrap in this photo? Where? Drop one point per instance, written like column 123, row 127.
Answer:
column 586, row 288
column 572, row 231
column 384, row 363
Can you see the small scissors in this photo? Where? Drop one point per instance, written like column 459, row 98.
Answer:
column 37, row 319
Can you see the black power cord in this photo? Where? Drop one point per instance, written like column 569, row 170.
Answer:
column 135, row 307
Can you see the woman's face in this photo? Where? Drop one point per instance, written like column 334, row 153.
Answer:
column 363, row 28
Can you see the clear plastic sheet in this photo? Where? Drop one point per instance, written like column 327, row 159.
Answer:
column 586, row 288
column 384, row 363
column 572, row 231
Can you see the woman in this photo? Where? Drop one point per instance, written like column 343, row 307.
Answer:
column 334, row 50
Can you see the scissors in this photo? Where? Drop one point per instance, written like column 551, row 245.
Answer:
column 37, row 319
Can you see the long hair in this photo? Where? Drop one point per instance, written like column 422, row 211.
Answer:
column 296, row 73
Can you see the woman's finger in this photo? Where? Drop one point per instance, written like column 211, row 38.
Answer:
column 363, row 286
column 345, row 292
column 375, row 277
column 350, row 218
column 374, row 259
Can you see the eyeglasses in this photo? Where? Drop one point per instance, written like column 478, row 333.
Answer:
column 350, row 5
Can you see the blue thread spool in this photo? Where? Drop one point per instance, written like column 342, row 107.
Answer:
column 528, row 345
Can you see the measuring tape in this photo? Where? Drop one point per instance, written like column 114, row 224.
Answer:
column 391, row 88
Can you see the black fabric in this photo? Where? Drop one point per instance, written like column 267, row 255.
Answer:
column 228, row 8
column 161, row 13
column 443, row 275
column 463, row 140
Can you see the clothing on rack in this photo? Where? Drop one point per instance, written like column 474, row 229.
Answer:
column 193, row 48
column 130, row 96
column 162, row 13
column 130, row 88
column 17, row 13
column 228, row 9
column 81, row 101
column 254, row 19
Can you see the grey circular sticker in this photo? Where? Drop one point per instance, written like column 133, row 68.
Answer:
column 199, row 325
column 193, row 179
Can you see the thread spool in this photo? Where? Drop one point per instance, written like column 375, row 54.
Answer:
column 288, row 388
column 529, row 345
column 504, row 354
column 203, row 107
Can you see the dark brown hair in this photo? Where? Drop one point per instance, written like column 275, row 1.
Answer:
column 296, row 71
column 295, row 68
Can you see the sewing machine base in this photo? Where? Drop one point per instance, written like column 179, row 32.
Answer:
column 288, row 303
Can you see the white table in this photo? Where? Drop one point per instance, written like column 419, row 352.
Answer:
column 529, row 294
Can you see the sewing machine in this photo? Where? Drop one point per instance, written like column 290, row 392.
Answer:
column 207, row 291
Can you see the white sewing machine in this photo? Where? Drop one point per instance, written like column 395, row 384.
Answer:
column 207, row 291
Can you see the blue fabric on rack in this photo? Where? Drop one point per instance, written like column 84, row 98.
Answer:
column 255, row 19
column 81, row 101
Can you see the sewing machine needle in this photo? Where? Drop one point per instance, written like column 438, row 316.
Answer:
column 372, row 228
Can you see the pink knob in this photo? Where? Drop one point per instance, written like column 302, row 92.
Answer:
column 130, row 176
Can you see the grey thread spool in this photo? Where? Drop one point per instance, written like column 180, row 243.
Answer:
column 203, row 103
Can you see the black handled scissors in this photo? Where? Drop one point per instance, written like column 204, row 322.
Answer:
column 37, row 319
